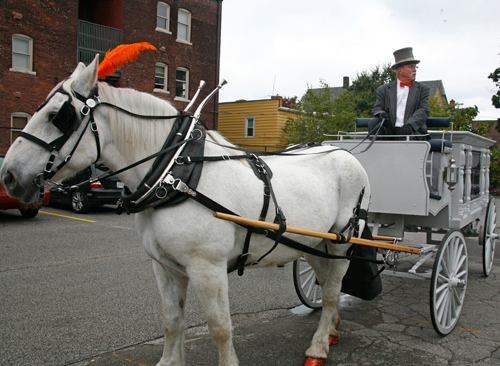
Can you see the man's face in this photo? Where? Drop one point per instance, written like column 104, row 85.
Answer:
column 407, row 72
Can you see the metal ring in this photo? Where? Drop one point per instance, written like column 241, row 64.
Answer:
column 37, row 180
column 178, row 160
column 200, row 134
column 85, row 110
column 159, row 192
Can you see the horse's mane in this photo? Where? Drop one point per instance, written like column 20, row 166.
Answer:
column 146, row 134
column 135, row 132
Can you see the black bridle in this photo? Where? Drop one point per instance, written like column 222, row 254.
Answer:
column 66, row 120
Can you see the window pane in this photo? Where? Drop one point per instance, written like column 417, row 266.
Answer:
column 19, row 122
column 180, row 89
column 183, row 17
column 161, row 23
column 181, row 75
column 159, row 71
column 162, row 10
column 15, row 135
column 182, row 32
column 20, row 61
column 21, row 46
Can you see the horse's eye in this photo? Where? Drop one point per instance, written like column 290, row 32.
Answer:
column 51, row 116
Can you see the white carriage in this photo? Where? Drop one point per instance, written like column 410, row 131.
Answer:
column 438, row 187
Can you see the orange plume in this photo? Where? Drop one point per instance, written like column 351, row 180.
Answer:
column 120, row 56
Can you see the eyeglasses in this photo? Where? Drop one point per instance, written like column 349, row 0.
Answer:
column 412, row 67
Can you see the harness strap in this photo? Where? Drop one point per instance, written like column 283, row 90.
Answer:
column 214, row 206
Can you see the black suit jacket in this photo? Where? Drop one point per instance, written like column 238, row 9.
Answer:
column 417, row 106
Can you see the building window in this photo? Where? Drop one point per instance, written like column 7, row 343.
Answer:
column 184, row 26
column 249, row 126
column 19, row 121
column 163, row 18
column 182, row 83
column 22, row 54
column 161, row 78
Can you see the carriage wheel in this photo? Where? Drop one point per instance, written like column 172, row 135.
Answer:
column 448, row 282
column 488, row 237
column 306, row 285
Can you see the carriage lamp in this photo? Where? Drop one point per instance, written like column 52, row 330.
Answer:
column 451, row 174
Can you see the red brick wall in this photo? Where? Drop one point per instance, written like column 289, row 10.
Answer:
column 53, row 27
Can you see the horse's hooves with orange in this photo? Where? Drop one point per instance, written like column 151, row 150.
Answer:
column 333, row 340
column 314, row 361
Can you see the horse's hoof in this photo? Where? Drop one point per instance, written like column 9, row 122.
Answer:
column 333, row 340
column 309, row 361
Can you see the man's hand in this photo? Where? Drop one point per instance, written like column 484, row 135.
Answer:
column 406, row 130
column 383, row 115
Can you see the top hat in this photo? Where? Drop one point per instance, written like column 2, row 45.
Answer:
column 404, row 56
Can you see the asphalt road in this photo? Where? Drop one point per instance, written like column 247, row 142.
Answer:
column 74, row 287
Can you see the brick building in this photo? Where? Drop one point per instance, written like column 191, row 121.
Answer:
column 41, row 42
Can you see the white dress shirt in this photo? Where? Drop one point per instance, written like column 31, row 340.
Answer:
column 403, row 92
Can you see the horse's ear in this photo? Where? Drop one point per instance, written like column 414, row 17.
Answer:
column 78, row 70
column 86, row 79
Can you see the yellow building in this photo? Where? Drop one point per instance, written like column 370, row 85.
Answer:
column 254, row 124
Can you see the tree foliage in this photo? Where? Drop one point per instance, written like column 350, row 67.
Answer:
column 320, row 114
column 461, row 117
column 495, row 76
column 364, row 88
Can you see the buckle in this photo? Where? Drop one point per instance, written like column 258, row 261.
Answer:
column 85, row 110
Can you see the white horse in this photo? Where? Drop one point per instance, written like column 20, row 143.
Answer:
column 316, row 190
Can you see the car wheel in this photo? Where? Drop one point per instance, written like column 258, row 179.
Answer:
column 29, row 212
column 79, row 202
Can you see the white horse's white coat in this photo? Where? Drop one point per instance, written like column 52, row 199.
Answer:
column 187, row 244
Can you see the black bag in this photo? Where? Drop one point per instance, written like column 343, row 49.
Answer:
column 362, row 279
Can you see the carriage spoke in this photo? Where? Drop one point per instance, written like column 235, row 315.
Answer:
column 307, row 270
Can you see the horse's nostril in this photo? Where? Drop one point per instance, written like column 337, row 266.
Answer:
column 8, row 179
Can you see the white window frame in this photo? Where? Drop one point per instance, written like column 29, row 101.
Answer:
column 167, row 19
column 186, row 97
column 18, row 115
column 24, row 70
column 247, row 119
column 188, row 26
column 163, row 90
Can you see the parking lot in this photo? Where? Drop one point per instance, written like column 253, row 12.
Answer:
column 79, row 289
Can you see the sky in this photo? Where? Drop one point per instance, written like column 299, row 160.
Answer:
column 282, row 47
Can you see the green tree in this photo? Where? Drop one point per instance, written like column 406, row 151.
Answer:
column 495, row 76
column 461, row 117
column 364, row 88
column 320, row 114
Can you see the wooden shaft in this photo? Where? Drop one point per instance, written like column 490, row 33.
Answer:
column 317, row 234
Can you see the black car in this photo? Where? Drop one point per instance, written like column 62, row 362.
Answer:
column 98, row 193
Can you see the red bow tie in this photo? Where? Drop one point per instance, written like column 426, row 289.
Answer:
column 408, row 84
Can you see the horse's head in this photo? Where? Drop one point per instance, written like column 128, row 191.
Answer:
column 56, row 135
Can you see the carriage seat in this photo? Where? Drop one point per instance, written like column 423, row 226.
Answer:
column 437, row 145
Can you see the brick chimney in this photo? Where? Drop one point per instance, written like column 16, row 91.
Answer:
column 346, row 82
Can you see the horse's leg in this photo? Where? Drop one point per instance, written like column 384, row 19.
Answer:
column 173, row 291
column 211, row 285
column 320, row 267
column 330, row 319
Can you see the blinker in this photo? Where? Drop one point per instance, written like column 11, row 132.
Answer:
column 65, row 118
